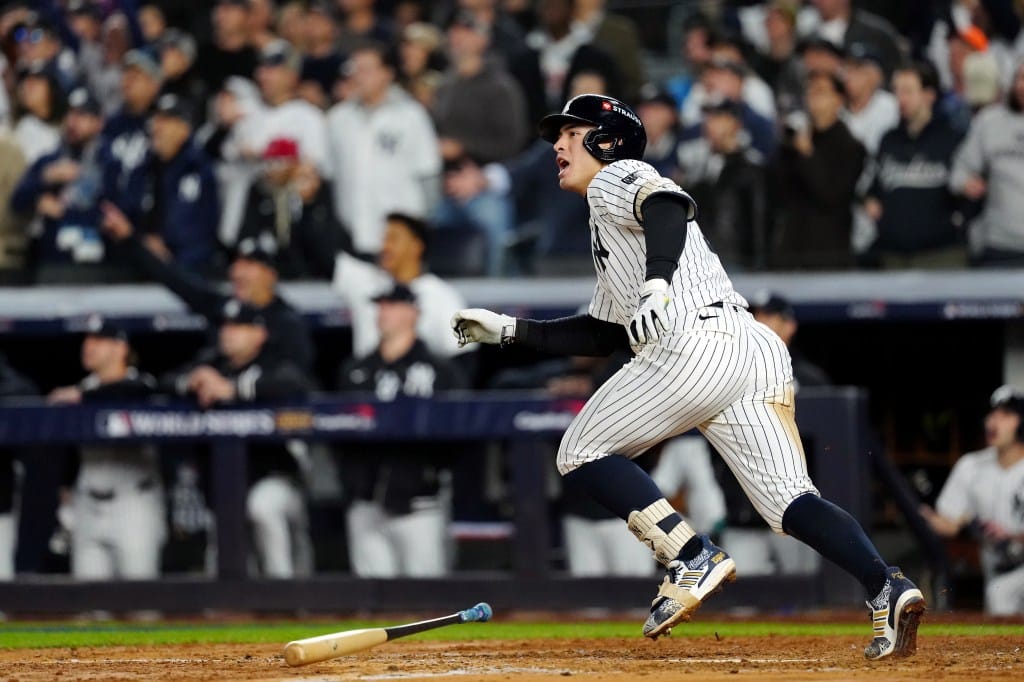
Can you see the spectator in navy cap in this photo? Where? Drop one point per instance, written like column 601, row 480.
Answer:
column 172, row 195
column 871, row 110
column 177, row 60
column 660, row 115
column 61, row 189
column 125, row 142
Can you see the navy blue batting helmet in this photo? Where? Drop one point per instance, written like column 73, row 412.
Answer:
column 618, row 129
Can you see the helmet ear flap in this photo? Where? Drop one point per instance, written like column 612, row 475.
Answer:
column 597, row 137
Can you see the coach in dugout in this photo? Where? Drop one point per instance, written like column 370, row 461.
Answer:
column 118, row 521
column 397, row 518
column 240, row 369
column 253, row 278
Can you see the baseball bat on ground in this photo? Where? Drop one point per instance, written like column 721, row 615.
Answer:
column 324, row 647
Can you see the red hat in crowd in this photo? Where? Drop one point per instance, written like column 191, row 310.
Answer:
column 282, row 148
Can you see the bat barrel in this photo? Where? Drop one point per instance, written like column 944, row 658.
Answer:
column 324, row 647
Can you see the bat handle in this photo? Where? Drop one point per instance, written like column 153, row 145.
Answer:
column 481, row 613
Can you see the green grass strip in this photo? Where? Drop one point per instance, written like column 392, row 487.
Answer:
column 16, row 635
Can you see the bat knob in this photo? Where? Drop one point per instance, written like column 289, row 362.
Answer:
column 294, row 654
column 481, row 613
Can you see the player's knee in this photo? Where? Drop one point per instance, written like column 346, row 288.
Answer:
column 571, row 456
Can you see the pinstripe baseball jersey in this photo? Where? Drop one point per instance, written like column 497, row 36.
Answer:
column 615, row 196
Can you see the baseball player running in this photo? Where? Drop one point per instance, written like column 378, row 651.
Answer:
column 700, row 361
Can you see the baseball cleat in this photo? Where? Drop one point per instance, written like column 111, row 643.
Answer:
column 687, row 585
column 895, row 614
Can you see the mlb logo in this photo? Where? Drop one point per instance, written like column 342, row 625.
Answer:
column 115, row 424
column 606, row 105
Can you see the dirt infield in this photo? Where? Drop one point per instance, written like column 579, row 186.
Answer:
column 608, row 660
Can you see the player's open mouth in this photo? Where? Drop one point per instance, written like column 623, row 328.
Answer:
column 563, row 164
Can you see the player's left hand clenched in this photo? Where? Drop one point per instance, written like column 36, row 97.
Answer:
column 651, row 319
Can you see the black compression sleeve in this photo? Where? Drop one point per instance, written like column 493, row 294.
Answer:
column 577, row 335
column 665, row 221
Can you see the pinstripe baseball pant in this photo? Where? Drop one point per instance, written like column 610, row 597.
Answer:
column 722, row 372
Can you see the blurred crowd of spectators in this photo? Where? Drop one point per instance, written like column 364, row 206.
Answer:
column 380, row 144
column 814, row 135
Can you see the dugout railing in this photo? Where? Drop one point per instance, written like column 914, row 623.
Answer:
column 833, row 422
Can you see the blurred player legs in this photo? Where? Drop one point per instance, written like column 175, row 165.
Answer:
column 603, row 547
column 7, row 531
column 280, row 525
column 385, row 545
column 118, row 534
column 761, row 552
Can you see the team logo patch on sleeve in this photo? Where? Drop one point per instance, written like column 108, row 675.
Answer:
column 631, row 178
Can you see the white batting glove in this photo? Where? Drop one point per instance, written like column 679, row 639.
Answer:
column 482, row 326
column 651, row 318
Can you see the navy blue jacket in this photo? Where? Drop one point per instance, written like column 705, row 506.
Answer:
column 176, row 200
column 912, row 182
column 124, row 145
column 62, row 239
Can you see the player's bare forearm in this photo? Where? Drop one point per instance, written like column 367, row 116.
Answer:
column 576, row 335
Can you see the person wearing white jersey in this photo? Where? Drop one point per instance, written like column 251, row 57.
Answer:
column 984, row 496
column 701, row 361
column 379, row 138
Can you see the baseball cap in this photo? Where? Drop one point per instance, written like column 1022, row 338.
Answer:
column 321, row 7
column 262, row 248
column 974, row 37
column 97, row 325
column 1007, row 396
column 281, row 53
column 237, row 312
column 82, row 100
column 466, row 19
column 144, row 60
column 821, row 44
column 656, row 95
column 79, row 7
column 178, row 40
column 722, row 105
column 173, row 106
column 281, row 148
column 771, row 303
column 864, row 53
column 730, row 65
column 397, row 294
